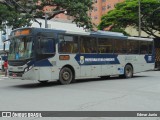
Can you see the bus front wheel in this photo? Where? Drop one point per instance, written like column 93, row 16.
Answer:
column 128, row 71
column 65, row 76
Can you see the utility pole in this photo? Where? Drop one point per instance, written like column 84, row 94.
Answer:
column 46, row 25
column 139, row 18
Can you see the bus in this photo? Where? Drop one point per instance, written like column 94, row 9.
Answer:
column 50, row 55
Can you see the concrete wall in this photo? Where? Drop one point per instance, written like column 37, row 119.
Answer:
column 134, row 32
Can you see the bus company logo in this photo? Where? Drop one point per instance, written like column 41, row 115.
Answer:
column 149, row 58
column 82, row 59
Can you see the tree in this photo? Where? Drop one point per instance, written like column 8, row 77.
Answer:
column 126, row 14
column 19, row 13
column 11, row 15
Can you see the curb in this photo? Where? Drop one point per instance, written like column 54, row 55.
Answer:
column 3, row 77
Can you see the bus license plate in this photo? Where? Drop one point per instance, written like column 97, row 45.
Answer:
column 14, row 75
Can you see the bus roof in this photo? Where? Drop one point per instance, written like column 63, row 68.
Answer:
column 92, row 33
column 140, row 38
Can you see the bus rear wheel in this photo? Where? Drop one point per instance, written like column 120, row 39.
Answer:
column 65, row 76
column 128, row 71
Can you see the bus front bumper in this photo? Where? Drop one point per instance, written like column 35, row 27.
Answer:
column 15, row 74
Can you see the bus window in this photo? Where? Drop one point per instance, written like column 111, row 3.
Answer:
column 133, row 47
column 105, row 45
column 143, row 47
column 150, row 45
column 46, row 46
column 88, row 45
column 120, row 46
column 68, row 44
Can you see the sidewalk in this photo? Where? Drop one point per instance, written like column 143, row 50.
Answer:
column 1, row 73
column 2, row 76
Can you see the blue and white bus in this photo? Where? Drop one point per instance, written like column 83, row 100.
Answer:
column 50, row 55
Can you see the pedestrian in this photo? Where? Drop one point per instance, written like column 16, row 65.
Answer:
column 6, row 66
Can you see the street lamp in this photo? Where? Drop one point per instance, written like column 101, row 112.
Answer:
column 139, row 18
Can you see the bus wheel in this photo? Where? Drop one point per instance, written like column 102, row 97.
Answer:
column 128, row 71
column 65, row 76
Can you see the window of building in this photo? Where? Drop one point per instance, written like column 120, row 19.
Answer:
column 95, row 9
column 95, row 17
column 104, row 8
column 105, row 45
column 88, row 45
column 95, row 1
column 68, row 44
column 108, row 6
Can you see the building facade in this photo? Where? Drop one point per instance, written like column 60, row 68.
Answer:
column 100, row 8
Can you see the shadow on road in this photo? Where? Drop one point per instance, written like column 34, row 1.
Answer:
column 107, row 79
column 78, row 81
column 37, row 85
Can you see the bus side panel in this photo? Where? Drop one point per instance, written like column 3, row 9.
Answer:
column 32, row 74
column 45, row 73
column 96, row 70
column 71, row 62
column 138, row 62
column 85, row 71
column 108, row 70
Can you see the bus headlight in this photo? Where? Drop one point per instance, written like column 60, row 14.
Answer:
column 28, row 68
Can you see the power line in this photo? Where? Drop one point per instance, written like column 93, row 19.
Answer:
column 7, row 1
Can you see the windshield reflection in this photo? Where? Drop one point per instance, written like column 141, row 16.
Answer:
column 20, row 48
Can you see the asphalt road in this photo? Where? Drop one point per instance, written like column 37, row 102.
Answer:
column 141, row 93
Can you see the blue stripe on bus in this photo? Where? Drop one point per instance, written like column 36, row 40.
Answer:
column 43, row 63
column 149, row 58
column 30, row 63
column 96, row 59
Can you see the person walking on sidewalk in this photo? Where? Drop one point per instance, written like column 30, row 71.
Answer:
column 6, row 67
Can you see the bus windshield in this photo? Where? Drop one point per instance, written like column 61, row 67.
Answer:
column 20, row 48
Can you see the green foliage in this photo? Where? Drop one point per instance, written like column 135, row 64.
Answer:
column 75, row 8
column 11, row 16
column 21, row 12
column 126, row 14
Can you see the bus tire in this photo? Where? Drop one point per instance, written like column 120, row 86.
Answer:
column 128, row 71
column 65, row 76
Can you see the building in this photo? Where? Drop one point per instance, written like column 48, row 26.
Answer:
column 100, row 8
